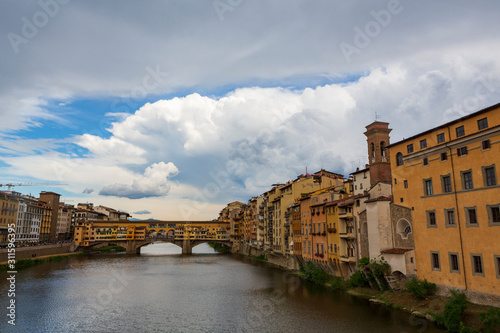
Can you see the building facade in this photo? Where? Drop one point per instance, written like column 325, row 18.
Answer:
column 448, row 177
column 9, row 206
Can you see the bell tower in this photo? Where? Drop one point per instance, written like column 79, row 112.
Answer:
column 377, row 137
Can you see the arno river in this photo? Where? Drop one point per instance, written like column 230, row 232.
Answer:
column 203, row 292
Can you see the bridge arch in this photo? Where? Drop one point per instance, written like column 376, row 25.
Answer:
column 161, row 240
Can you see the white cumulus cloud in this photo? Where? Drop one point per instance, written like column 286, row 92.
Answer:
column 154, row 183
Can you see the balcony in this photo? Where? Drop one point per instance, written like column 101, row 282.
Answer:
column 332, row 230
column 347, row 235
column 348, row 259
column 345, row 215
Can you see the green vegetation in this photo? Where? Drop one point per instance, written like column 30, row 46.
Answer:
column 358, row 279
column 453, row 313
column 261, row 257
column 490, row 320
column 314, row 273
column 338, row 283
column 24, row 263
column 376, row 272
column 420, row 289
column 110, row 248
column 219, row 247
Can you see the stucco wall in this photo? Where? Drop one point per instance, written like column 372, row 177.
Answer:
column 399, row 213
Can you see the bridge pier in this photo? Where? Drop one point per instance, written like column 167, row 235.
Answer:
column 187, row 248
column 132, row 247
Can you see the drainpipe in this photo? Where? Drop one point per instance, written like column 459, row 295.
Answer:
column 457, row 210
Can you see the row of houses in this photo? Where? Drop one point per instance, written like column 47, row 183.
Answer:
column 91, row 232
column 46, row 219
column 429, row 205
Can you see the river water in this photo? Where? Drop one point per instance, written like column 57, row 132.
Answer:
column 203, row 292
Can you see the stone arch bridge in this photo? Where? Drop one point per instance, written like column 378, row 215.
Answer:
column 133, row 235
column 134, row 246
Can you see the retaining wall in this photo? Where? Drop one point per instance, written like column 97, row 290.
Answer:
column 42, row 250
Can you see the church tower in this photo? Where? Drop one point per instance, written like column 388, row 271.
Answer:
column 377, row 137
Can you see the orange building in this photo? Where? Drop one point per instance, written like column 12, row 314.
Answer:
column 448, row 177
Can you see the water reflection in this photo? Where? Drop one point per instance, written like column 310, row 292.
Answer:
column 164, row 248
column 186, row 293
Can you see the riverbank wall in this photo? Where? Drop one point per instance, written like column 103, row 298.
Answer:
column 288, row 262
column 291, row 262
column 38, row 251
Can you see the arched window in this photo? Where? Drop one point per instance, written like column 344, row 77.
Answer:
column 403, row 228
column 373, row 149
column 399, row 159
column 382, row 148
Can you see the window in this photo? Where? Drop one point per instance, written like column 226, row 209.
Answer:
column 382, row 149
column 446, row 183
column 426, row 161
column 405, row 183
column 410, row 148
column 435, row 264
column 454, row 265
column 493, row 214
column 471, row 217
column 482, row 123
column 361, row 186
column 373, row 149
column 403, row 228
column 440, row 137
column 497, row 265
column 489, row 175
column 423, row 143
column 428, row 186
column 477, row 264
column 399, row 159
column 486, row 144
column 431, row 219
column 449, row 215
column 460, row 131
column 462, row 151
column 444, row 156
column 467, row 183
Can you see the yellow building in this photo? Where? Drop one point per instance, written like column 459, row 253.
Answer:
column 9, row 206
column 87, row 232
column 283, row 196
column 448, row 176
column 48, row 229
column 233, row 214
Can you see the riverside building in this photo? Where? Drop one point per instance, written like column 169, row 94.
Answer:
column 448, row 177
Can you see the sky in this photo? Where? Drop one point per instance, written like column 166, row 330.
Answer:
column 172, row 109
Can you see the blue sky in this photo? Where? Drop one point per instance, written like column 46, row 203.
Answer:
column 174, row 109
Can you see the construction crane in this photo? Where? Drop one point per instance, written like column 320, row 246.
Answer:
column 11, row 185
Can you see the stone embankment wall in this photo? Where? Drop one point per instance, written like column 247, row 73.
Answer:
column 289, row 262
column 472, row 296
column 42, row 250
